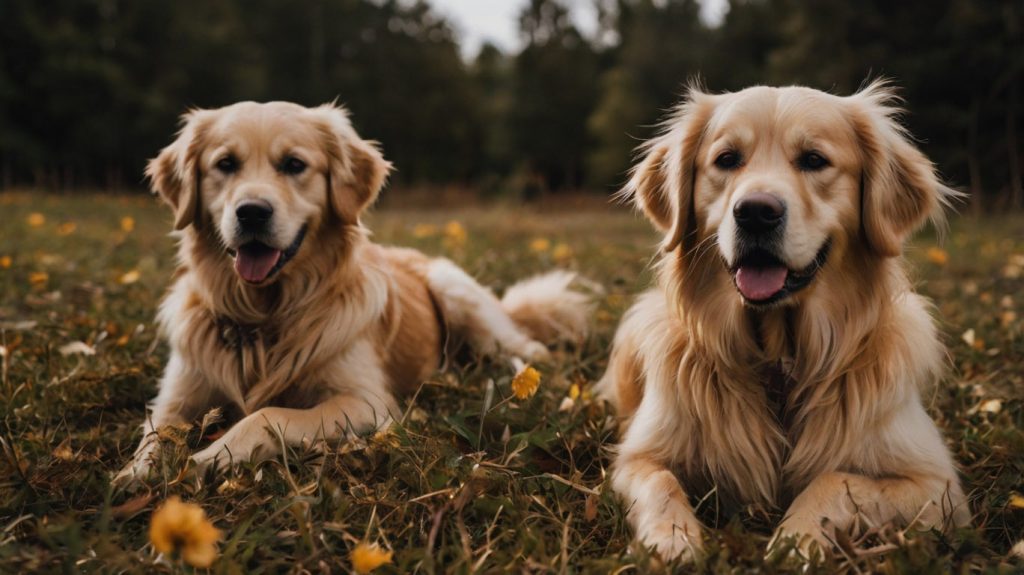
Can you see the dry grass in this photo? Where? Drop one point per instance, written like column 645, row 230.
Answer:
column 462, row 484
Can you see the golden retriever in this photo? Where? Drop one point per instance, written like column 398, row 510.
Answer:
column 282, row 307
column 780, row 357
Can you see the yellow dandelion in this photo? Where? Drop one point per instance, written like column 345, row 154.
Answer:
column 127, row 224
column 455, row 235
column 366, row 557
column 574, row 391
column 526, row 382
column 540, row 245
column 129, row 278
column 5, row 262
column 183, row 527
column 38, row 278
column 562, row 252
column 937, row 256
column 36, row 220
column 421, row 231
column 67, row 228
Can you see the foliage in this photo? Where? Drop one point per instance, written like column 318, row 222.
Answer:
column 91, row 88
column 471, row 479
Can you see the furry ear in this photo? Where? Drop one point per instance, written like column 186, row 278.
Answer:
column 661, row 184
column 174, row 173
column 357, row 170
column 900, row 187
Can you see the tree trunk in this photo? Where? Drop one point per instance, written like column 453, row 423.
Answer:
column 973, row 163
column 1012, row 149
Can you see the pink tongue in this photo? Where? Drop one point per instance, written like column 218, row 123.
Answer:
column 254, row 261
column 760, row 283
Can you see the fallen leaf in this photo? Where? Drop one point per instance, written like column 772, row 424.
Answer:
column 991, row 406
column 67, row 228
column 38, row 278
column 129, row 278
column 36, row 220
column 76, row 348
column 132, row 506
column 968, row 337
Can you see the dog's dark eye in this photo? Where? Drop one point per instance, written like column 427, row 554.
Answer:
column 728, row 160
column 812, row 162
column 227, row 164
column 292, row 165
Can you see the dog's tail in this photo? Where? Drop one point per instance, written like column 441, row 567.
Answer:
column 548, row 308
column 534, row 313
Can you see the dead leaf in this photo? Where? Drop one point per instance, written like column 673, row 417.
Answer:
column 77, row 348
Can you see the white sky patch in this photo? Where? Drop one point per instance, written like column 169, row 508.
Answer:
column 497, row 21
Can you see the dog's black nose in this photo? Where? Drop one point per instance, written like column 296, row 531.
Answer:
column 254, row 215
column 759, row 212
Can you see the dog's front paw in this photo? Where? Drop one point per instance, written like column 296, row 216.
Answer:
column 674, row 540
column 132, row 474
column 802, row 539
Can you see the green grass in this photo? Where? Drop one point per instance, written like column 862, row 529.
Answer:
column 455, row 487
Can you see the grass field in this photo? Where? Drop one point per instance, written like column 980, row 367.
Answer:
column 462, row 484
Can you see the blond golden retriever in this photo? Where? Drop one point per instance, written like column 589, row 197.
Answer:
column 781, row 356
column 281, row 306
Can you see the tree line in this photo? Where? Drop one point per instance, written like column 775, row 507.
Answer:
column 89, row 89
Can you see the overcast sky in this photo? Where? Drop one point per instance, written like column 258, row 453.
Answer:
column 496, row 21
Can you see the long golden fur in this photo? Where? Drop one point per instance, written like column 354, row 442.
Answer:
column 805, row 395
column 317, row 331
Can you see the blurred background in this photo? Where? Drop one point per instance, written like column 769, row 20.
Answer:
column 518, row 99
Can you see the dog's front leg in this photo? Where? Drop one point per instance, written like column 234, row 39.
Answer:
column 182, row 396
column 658, row 508
column 259, row 435
column 657, row 505
column 922, row 487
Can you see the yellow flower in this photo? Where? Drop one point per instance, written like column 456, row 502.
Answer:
column 5, row 262
column 526, row 382
column 183, row 527
column 454, row 234
column 421, row 231
column 36, row 220
column 38, row 278
column 1016, row 501
column 67, row 228
column 562, row 252
column 574, row 391
column 129, row 278
column 540, row 245
column 127, row 223
column 366, row 558
column 937, row 256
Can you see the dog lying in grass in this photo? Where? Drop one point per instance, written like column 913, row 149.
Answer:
column 780, row 357
column 281, row 306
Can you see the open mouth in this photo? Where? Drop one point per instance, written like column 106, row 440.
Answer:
column 762, row 278
column 255, row 261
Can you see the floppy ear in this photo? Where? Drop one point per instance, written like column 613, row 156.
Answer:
column 174, row 173
column 661, row 184
column 900, row 188
column 356, row 171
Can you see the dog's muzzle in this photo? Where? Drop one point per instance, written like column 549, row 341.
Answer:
column 256, row 262
column 762, row 278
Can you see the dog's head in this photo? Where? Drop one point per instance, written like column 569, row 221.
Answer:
column 262, row 178
column 786, row 183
